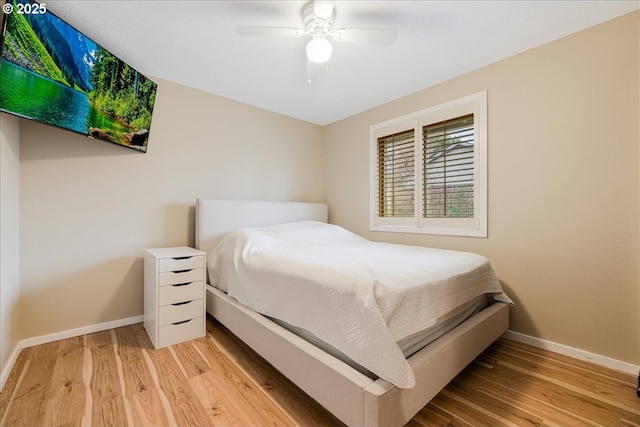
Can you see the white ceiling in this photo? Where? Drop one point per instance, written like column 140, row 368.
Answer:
column 194, row 43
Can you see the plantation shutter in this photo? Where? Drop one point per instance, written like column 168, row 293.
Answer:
column 448, row 163
column 396, row 175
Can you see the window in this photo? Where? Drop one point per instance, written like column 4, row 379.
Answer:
column 448, row 163
column 396, row 175
column 429, row 169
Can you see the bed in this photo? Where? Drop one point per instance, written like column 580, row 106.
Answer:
column 351, row 394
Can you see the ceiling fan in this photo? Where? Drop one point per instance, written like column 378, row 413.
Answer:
column 317, row 18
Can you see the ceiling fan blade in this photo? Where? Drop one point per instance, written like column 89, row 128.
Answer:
column 366, row 35
column 255, row 31
column 323, row 8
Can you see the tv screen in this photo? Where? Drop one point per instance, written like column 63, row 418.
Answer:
column 52, row 73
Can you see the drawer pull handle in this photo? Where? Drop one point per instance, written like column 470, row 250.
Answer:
column 182, row 284
column 182, row 303
column 180, row 323
column 182, row 271
column 181, row 257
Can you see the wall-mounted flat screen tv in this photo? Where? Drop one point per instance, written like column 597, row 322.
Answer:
column 52, row 73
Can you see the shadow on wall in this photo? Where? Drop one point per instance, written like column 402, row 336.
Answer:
column 109, row 291
column 518, row 314
column 63, row 144
column 179, row 225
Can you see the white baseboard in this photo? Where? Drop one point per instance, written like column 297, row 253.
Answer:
column 30, row 342
column 607, row 362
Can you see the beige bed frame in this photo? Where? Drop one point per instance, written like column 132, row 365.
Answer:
column 351, row 396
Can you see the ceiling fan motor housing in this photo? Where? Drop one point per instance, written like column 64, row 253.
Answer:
column 317, row 26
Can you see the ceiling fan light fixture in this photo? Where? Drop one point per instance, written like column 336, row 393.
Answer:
column 319, row 50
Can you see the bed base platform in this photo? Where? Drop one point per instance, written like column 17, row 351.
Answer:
column 352, row 397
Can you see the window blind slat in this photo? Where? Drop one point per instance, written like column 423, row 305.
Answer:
column 449, row 169
column 396, row 175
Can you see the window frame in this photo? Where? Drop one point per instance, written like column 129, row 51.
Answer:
column 475, row 104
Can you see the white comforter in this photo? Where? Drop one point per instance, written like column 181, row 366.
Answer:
column 357, row 295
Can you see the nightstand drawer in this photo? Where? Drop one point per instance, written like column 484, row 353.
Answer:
column 182, row 276
column 182, row 311
column 174, row 333
column 180, row 263
column 180, row 293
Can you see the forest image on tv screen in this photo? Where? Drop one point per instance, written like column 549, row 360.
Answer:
column 52, row 73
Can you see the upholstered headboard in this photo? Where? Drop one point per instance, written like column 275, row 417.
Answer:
column 215, row 217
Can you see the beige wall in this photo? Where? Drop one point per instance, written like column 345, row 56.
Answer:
column 89, row 208
column 564, row 191
column 10, row 333
column 564, row 187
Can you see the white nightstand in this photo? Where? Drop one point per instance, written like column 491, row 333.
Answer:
column 174, row 295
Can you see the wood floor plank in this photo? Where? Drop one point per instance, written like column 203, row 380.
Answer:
column 602, row 408
column 464, row 391
column 464, row 413
column 136, row 374
column 618, row 387
column 98, row 339
column 518, row 398
column 185, row 406
column 596, row 370
column 231, row 380
column 541, row 366
column 11, row 383
column 222, row 407
column 284, row 392
column 431, row 416
column 28, row 404
column 146, row 409
column 107, row 401
column 42, row 350
column 190, row 359
column 628, row 423
column 141, row 335
column 65, row 397
column 538, row 394
column 70, row 344
column 116, row 377
column 87, row 370
column 556, row 395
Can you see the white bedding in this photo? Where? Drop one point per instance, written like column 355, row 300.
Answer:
column 355, row 294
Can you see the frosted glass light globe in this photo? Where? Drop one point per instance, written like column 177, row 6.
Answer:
column 319, row 50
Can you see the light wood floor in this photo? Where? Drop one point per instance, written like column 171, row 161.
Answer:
column 116, row 378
